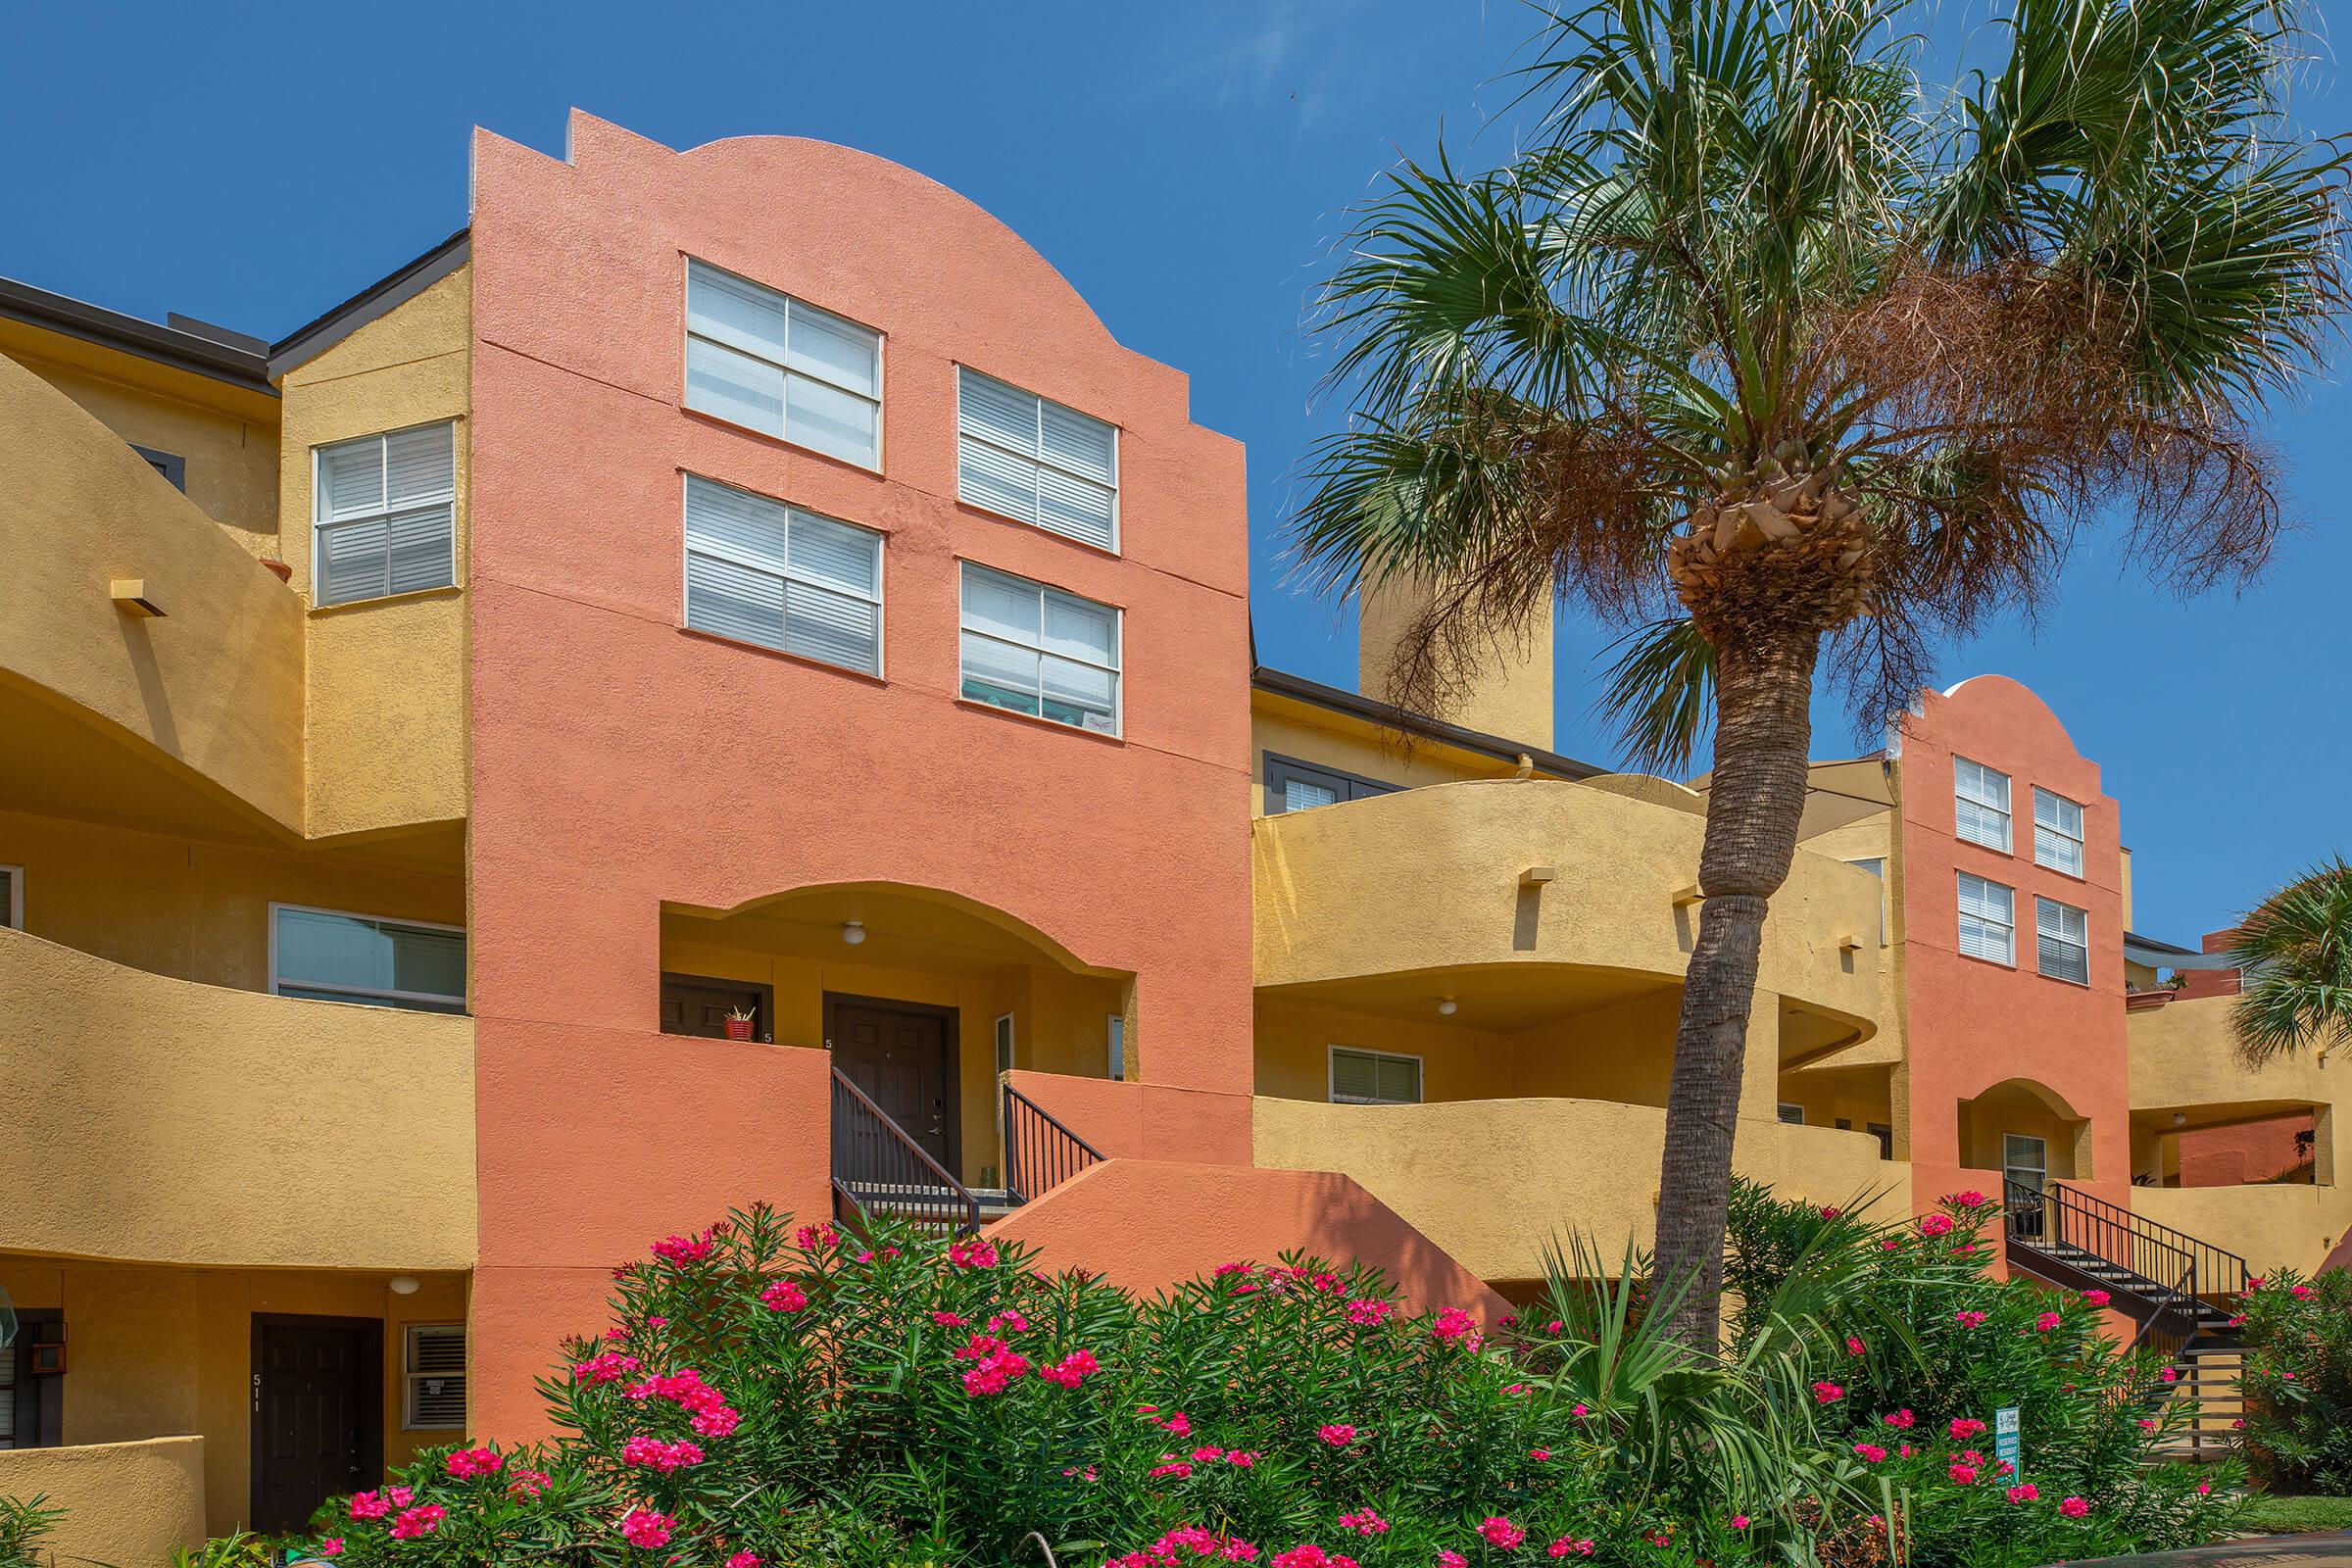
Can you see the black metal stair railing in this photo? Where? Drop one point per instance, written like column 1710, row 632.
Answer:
column 1040, row 1152
column 878, row 1169
column 2064, row 1224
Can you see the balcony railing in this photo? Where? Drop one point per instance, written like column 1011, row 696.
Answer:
column 879, row 1169
column 1040, row 1152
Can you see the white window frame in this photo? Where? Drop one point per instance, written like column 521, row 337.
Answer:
column 2009, row 1165
column 386, row 995
column 1876, row 865
column 2010, row 926
column 320, row 526
column 2000, row 809
column 1038, row 457
column 410, row 1377
column 687, row 549
column 1790, row 1115
column 1115, row 1054
column 2058, row 835
column 2043, row 905
column 11, row 915
column 1005, row 1042
column 1331, row 1084
column 965, row 568
column 881, row 365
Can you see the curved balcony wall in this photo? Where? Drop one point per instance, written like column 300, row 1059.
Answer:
column 131, row 1504
column 1435, row 879
column 1491, row 1181
column 159, row 1120
column 2182, row 1057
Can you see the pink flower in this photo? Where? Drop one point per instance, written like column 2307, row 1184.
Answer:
column 1365, row 1522
column 1854, row 1346
column 331, row 1547
column 369, row 1505
column 1452, row 1559
column 809, row 1238
column 1207, row 1453
column 1071, row 1370
column 784, row 1297
column 609, row 1367
column 1365, row 1313
column 1501, row 1531
column 683, row 1249
column 2169, row 1374
column 1871, row 1452
column 973, row 1252
column 1171, row 1465
column 1935, row 1225
column 467, row 1462
column 1831, row 1211
column 2047, row 1321
column 1902, row 1418
column 2074, row 1507
column 526, row 1483
column 1563, row 1546
column 1972, row 1198
column 1969, row 1320
column 744, row 1560
column 1827, row 1394
column 1890, row 1244
column 652, row 1453
column 948, row 1320
column 1243, row 1458
column 1008, row 1321
column 2097, row 1297
column 642, row 1527
column 2301, row 1293
column 1965, row 1474
column 1965, row 1427
column 2204, row 1489
column 1538, row 1455
column 1337, row 1434
column 1577, row 1411
column 1453, row 1324
column 995, row 1372
column 1177, row 1424
column 2024, row 1493
column 1739, row 1521
column 422, row 1520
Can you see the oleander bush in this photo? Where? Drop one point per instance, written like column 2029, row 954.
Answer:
column 2298, row 1381
column 767, row 1398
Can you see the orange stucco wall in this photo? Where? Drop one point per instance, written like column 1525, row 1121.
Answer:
column 619, row 762
column 1975, row 1025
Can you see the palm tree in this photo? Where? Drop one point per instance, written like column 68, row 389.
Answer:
column 2295, row 956
column 1755, row 324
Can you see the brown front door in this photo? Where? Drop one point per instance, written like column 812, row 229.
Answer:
column 692, row 1004
column 898, row 1056
column 318, row 1414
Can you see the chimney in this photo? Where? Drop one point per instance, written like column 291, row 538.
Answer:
column 1511, row 697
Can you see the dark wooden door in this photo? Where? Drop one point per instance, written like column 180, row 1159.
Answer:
column 693, row 1005
column 318, row 1414
column 898, row 1056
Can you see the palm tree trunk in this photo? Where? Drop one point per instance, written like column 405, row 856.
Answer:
column 1763, row 733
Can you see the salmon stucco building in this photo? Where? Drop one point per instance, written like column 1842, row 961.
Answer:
column 723, row 682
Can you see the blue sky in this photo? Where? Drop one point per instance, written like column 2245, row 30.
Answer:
column 1187, row 167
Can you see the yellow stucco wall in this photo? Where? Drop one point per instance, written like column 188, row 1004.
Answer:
column 2283, row 1226
column 191, row 909
column 1430, row 881
column 226, row 436
column 386, row 712
column 1285, row 726
column 1492, row 1180
column 215, row 686
column 2182, row 1055
column 156, row 1120
column 127, row 1505
column 165, row 1352
column 1508, row 695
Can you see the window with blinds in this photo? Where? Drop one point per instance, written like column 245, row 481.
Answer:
column 1374, row 1078
column 761, row 571
column 1791, row 1115
column 780, row 366
column 2057, row 832
column 1980, row 805
column 326, row 956
column 2062, row 935
column 1036, row 650
column 11, row 897
column 1028, row 457
column 1876, row 865
column 433, row 1369
column 1987, row 920
column 383, row 514
column 1296, row 786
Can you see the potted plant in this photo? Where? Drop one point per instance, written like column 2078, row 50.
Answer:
column 738, row 1022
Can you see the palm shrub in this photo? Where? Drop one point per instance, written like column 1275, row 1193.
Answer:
column 1924, row 1344
column 2295, row 953
column 1764, row 346
column 2298, row 1381
column 24, row 1523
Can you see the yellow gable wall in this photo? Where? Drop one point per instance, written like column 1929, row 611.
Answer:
column 1288, row 727
column 387, row 676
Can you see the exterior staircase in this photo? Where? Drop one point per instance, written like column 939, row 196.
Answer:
column 2176, row 1287
column 880, row 1170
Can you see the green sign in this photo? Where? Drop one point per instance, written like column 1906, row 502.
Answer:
column 2005, row 1444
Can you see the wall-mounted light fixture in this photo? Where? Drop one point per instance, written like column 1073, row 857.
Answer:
column 852, row 932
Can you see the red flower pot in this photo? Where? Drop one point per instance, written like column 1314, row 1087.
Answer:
column 739, row 1028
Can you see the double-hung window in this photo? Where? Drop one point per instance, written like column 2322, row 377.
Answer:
column 1374, row 1078
column 2057, row 832
column 384, row 512
column 780, row 366
column 1036, row 650
column 764, row 573
column 2062, row 936
column 433, row 1370
column 1980, row 805
column 330, row 956
column 1292, row 786
column 1876, row 865
column 1987, row 920
column 1028, row 457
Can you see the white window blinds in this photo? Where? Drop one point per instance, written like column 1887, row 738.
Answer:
column 1980, row 805
column 2062, row 935
column 385, row 514
column 328, row 957
column 780, row 366
column 1374, row 1078
column 764, row 572
column 2057, row 832
column 1038, row 650
column 434, row 1370
column 1026, row 458
column 1987, row 920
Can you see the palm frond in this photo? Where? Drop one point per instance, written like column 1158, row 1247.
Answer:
column 1660, row 694
column 2296, row 949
